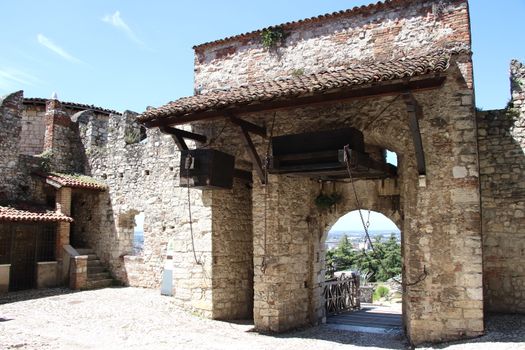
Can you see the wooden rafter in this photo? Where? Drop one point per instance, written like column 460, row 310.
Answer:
column 179, row 136
column 252, row 152
column 414, row 113
column 184, row 134
column 250, row 127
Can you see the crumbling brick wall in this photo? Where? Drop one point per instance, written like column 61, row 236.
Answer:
column 395, row 29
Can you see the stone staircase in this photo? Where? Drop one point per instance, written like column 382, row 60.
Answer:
column 97, row 274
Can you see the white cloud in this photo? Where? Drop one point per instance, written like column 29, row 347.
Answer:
column 11, row 79
column 116, row 21
column 46, row 42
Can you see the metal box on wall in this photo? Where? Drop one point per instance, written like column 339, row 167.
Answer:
column 206, row 169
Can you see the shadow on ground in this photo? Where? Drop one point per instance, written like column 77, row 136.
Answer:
column 500, row 328
column 32, row 294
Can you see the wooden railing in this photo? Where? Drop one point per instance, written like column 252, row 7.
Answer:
column 342, row 294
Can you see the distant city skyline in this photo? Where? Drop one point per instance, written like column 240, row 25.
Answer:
column 352, row 222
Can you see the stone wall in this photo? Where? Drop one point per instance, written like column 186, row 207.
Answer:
column 10, row 126
column 501, row 137
column 61, row 140
column 439, row 214
column 381, row 32
column 33, row 130
column 142, row 176
column 232, row 252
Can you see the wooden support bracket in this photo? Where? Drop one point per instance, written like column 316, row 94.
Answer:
column 250, row 127
column 179, row 136
column 252, row 152
column 414, row 113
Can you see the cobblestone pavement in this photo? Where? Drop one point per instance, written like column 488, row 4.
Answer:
column 133, row 318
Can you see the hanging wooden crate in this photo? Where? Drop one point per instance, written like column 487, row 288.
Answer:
column 319, row 155
column 206, row 169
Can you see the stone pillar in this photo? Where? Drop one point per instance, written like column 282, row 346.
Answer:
column 4, row 278
column 283, row 290
column 57, row 137
column 78, row 272
column 63, row 205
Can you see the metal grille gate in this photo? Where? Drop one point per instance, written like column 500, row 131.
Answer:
column 342, row 294
column 22, row 246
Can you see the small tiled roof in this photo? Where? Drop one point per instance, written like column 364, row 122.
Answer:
column 71, row 105
column 31, row 213
column 74, row 181
column 354, row 11
column 317, row 83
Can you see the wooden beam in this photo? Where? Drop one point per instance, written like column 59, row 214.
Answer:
column 341, row 95
column 184, row 134
column 252, row 152
column 414, row 113
column 179, row 140
column 250, row 127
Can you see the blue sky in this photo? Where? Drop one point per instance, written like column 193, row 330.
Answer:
column 352, row 222
column 131, row 54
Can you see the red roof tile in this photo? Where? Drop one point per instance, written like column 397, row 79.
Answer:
column 29, row 213
column 74, row 181
column 317, row 83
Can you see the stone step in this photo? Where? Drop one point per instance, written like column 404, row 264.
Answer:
column 102, row 283
column 95, row 269
column 85, row 251
column 98, row 276
column 94, row 263
column 92, row 257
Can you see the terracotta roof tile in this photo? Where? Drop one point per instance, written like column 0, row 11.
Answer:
column 31, row 213
column 317, row 83
column 74, row 181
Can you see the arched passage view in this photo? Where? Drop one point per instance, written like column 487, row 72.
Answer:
column 363, row 282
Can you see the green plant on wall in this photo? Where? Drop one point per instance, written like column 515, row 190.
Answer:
column 326, row 201
column 45, row 160
column 511, row 111
column 271, row 37
column 132, row 136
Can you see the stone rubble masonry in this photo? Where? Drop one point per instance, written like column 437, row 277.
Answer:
column 236, row 230
column 440, row 221
column 501, row 136
column 59, row 139
column 10, row 120
column 381, row 33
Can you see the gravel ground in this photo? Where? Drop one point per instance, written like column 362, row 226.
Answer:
column 134, row 318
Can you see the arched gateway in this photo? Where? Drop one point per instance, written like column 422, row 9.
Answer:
column 394, row 75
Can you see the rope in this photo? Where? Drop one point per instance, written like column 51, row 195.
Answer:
column 423, row 275
column 381, row 113
column 213, row 139
column 187, row 165
column 188, row 162
column 264, row 263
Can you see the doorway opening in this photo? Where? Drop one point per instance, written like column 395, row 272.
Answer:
column 138, row 234
column 363, row 289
